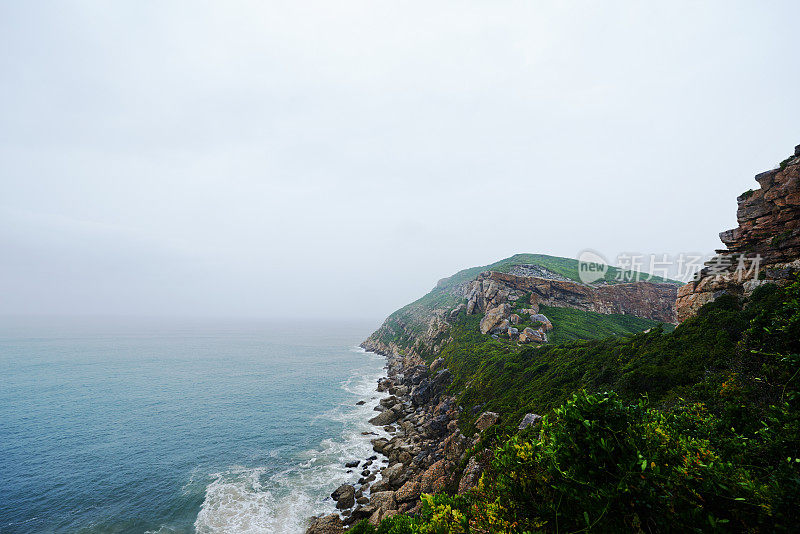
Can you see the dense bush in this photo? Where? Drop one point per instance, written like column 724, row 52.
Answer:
column 702, row 433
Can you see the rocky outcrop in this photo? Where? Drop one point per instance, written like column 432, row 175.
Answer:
column 422, row 452
column 495, row 317
column 530, row 419
column 529, row 335
column 764, row 248
column 486, row 420
column 650, row 300
column 329, row 524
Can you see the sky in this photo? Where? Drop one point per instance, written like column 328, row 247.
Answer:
column 333, row 160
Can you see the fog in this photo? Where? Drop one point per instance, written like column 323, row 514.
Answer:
column 313, row 160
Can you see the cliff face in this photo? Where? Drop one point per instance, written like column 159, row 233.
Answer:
column 642, row 299
column 765, row 247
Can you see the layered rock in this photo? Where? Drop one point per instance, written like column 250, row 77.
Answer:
column 650, row 300
column 764, row 248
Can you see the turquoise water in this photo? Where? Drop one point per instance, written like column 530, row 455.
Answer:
column 178, row 427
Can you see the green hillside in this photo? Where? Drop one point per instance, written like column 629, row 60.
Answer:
column 442, row 297
column 694, row 430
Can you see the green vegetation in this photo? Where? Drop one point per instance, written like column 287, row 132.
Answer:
column 570, row 324
column 501, row 375
column 692, row 430
column 411, row 319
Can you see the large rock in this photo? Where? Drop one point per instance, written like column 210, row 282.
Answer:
column 471, row 476
column 529, row 335
column 394, row 474
column 386, row 417
column 344, row 496
column 383, row 500
column 410, row 491
column 329, row 524
column 436, row 477
column 530, row 419
column 455, row 445
column 456, row 311
column 494, row 317
column 546, row 324
column 486, row 420
column 500, row 329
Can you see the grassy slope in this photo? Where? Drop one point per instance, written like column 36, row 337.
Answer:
column 502, row 376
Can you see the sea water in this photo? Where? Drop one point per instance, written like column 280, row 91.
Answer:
column 179, row 426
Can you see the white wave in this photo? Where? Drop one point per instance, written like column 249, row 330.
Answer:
column 248, row 501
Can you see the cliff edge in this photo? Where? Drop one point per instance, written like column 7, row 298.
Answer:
column 764, row 248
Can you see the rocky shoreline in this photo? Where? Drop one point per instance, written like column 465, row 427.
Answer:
column 424, row 450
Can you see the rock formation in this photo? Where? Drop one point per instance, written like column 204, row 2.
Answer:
column 650, row 300
column 764, row 248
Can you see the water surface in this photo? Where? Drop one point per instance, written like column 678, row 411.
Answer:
column 168, row 426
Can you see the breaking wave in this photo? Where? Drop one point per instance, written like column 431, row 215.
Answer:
column 263, row 500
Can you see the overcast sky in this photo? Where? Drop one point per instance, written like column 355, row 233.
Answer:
column 334, row 159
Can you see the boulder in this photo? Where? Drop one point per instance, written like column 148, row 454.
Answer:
column 471, row 476
column 361, row 512
column 435, row 478
column 500, row 329
column 438, row 425
column 389, row 401
column 344, row 496
column 529, row 335
column 329, row 524
column 546, row 324
column 383, row 500
column 379, row 444
column 454, row 446
column 393, row 474
column 515, row 319
column 422, row 393
column 386, row 417
column 529, row 419
column 486, row 420
column 410, row 491
column 494, row 317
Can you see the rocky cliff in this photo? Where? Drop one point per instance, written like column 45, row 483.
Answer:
column 764, row 248
column 642, row 299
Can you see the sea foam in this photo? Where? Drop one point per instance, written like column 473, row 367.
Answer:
column 253, row 501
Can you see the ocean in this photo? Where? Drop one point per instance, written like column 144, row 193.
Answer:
column 141, row 426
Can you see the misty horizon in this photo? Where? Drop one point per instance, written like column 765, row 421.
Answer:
column 315, row 161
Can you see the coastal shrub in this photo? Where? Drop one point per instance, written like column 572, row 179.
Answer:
column 398, row 524
column 603, row 464
column 695, row 430
column 362, row 527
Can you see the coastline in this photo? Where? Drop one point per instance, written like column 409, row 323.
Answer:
column 420, row 451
